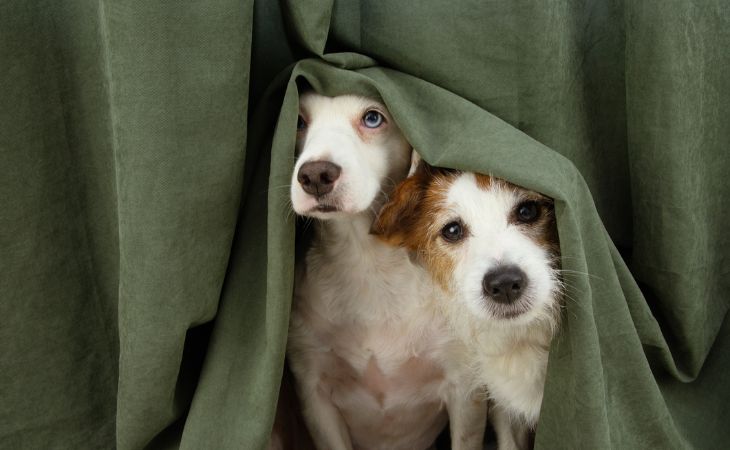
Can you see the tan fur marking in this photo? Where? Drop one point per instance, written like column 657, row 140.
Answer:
column 408, row 220
column 395, row 221
column 431, row 248
column 544, row 230
column 484, row 181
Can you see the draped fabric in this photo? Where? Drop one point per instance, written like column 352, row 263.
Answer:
column 147, row 243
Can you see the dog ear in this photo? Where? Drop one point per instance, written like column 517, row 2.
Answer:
column 399, row 215
column 415, row 162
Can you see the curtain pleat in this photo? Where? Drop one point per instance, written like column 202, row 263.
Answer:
column 147, row 243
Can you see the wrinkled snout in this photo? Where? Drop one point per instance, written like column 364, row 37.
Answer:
column 318, row 178
column 504, row 284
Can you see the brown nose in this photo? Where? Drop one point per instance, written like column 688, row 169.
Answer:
column 318, row 177
column 504, row 284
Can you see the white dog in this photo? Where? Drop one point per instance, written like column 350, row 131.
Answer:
column 493, row 247
column 370, row 354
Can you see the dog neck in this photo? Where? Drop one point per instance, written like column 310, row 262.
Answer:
column 350, row 234
column 507, row 340
column 358, row 262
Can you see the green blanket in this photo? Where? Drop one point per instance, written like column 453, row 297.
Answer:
column 146, row 242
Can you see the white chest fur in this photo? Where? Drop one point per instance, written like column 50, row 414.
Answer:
column 365, row 334
column 511, row 361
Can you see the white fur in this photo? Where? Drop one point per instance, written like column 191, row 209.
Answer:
column 371, row 160
column 365, row 336
column 509, row 355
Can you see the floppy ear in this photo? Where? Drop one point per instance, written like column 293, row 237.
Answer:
column 399, row 215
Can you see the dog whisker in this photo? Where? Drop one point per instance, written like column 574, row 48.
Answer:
column 578, row 272
column 284, row 186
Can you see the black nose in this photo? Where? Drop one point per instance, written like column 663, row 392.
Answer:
column 318, row 177
column 504, row 284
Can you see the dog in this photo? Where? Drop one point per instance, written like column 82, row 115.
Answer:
column 371, row 356
column 493, row 248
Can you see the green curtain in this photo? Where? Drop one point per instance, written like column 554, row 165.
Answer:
column 146, row 243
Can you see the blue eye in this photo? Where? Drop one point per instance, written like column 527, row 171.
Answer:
column 301, row 124
column 372, row 119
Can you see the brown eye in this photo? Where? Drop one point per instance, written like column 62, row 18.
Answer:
column 453, row 231
column 528, row 212
column 301, row 124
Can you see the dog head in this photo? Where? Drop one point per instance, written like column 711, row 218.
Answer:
column 349, row 150
column 488, row 243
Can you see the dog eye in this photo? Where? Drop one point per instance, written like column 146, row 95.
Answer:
column 372, row 119
column 301, row 124
column 528, row 212
column 452, row 231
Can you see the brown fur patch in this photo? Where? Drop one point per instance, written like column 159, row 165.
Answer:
column 432, row 250
column 484, row 181
column 396, row 220
column 407, row 220
column 544, row 230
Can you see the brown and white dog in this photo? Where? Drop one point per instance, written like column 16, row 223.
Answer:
column 493, row 248
column 371, row 355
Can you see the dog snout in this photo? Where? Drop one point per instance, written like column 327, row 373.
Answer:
column 318, row 177
column 504, row 284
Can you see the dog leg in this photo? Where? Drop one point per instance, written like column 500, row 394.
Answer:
column 467, row 419
column 325, row 423
column 511, row 434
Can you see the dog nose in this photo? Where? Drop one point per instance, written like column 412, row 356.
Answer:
column 504, row 284
column 318, row 177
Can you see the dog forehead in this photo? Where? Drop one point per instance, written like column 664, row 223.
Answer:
column 480, row 198
column 317, row 106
